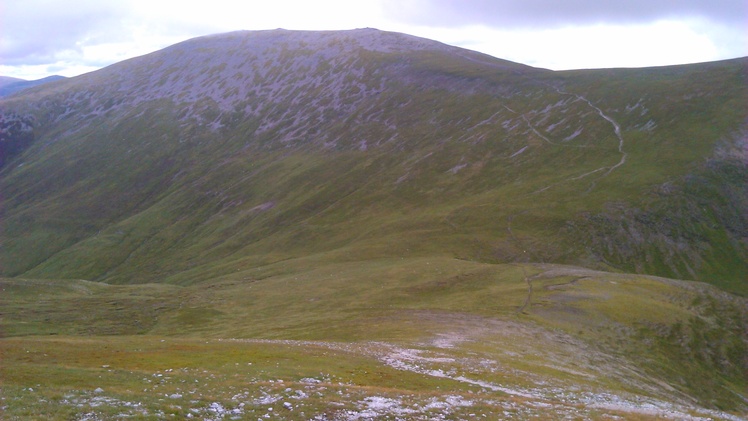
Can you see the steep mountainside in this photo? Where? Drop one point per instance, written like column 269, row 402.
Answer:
column 251, row 147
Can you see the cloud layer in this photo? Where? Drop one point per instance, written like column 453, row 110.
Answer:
column 42, row 37
column 555, row 13
column 34, row 32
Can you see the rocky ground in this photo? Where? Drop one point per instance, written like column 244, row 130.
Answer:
column 177, row 393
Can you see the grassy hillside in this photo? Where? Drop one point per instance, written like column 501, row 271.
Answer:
column 479, row 338
column 337, row 142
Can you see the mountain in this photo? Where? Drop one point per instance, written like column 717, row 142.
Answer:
column 429, row 212
column 18, row 84
column 6, row 80
column 273, row 145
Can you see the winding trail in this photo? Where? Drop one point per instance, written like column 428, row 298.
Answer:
column 528, row 299
column 616, row 129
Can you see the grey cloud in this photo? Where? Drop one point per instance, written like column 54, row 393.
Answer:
column 37, row 31
column 555, row 13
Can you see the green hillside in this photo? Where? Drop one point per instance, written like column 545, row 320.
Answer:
column 440, row 223
column 216, row 150
column 428, row 336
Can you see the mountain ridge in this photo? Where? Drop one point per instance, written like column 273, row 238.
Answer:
column 243, row 67
column 7, row 80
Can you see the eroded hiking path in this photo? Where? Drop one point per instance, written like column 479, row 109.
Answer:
column 616, row 130
column 528, row 299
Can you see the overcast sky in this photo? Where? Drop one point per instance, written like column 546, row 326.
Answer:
column 39, row 38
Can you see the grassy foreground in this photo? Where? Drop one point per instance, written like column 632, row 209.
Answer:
column 419, row 338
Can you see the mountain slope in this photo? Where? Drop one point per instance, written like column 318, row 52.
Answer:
column 252, row 147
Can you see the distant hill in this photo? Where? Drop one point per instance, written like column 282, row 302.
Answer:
column 5, row 80
column 9, row 86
